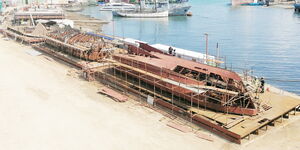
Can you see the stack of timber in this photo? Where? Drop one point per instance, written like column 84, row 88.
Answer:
column 80, row 45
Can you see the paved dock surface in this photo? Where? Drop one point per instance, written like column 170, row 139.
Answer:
column 44, row 105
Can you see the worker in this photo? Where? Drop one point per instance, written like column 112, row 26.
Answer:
column 170, row 50
column 174, row 52
column 267, row 2
column 262, row 85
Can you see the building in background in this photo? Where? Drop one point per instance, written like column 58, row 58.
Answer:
column 6, row 3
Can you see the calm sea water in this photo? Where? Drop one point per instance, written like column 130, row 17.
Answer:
column 266, row 40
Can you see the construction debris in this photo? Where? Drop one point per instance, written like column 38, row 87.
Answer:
column 39, row 30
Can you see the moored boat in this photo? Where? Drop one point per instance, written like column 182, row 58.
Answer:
column 144, row 14
column 179, row 8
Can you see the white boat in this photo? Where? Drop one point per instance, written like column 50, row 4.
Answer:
column 175, row 9
column 117, row 6
column 142, row 12
column 133, row 14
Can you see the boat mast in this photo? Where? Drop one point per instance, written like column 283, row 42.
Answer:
column 140, row 5
column 155, row 5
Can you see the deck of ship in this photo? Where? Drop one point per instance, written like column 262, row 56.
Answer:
column 278, row 106
column 233, row 127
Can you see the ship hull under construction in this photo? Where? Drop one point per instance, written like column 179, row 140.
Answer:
column 213, row 98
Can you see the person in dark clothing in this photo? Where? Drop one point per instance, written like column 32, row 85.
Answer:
column 267, row 3
column 262, row 85
column 174, row 52
column 170, row 50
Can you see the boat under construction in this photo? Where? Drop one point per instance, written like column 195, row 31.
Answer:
column 231, row 105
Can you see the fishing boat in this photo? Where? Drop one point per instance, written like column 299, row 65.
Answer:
column 117, row 6
column 180, row 8
column 145, row 14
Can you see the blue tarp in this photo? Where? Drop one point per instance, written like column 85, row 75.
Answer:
column 102, row 36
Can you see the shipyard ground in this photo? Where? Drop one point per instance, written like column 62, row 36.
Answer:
column 44, row 104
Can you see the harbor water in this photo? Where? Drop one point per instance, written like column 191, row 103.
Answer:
column 264, row 39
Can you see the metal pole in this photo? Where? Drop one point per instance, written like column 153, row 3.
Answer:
column 206, row 49
column 218, row 51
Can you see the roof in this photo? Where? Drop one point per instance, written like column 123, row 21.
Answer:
column 171, row 62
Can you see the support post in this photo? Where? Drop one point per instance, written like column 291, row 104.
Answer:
column 206, row 48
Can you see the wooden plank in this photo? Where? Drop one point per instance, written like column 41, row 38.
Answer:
column 182, row 128
column 113, row 94
column 204, row 136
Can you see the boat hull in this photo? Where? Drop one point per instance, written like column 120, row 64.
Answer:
column 142, row 15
